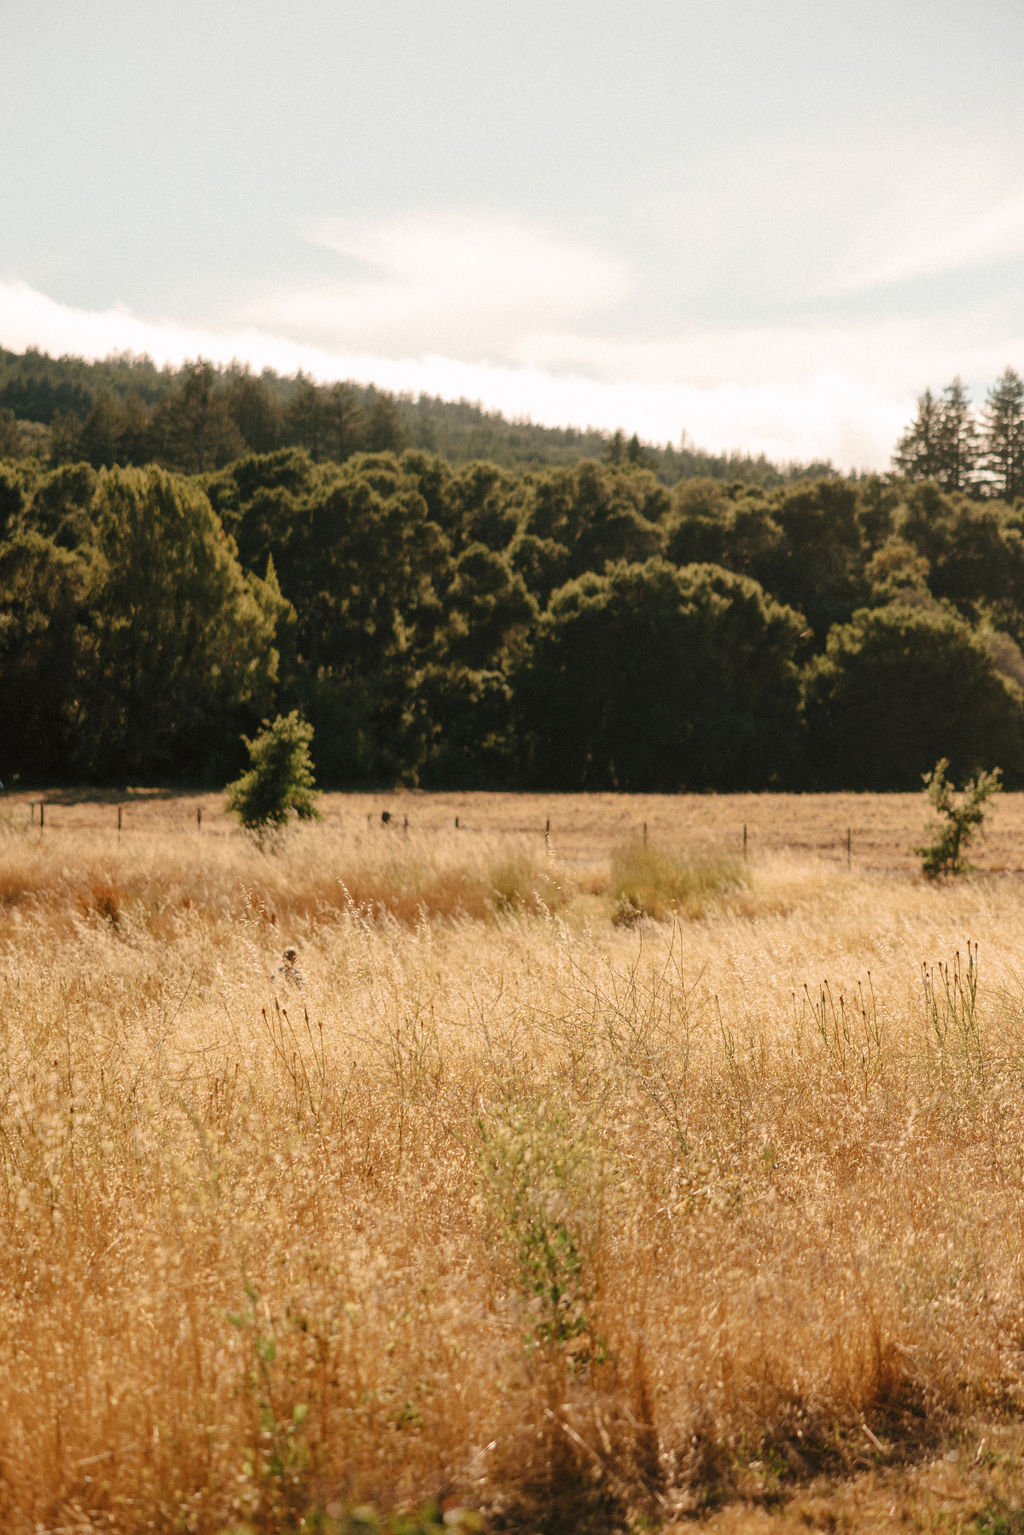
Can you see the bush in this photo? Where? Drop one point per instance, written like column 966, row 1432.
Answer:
column 280, row 780
column 944, row 856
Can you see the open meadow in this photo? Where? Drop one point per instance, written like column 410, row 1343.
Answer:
column 573, row 1183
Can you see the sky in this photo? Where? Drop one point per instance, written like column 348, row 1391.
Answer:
column 750, row 225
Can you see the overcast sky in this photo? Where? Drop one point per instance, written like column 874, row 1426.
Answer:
column 766, row 224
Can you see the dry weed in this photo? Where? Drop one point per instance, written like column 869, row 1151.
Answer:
column 506, row 1208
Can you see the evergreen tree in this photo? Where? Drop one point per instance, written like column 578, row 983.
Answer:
column 342, row 422
column 957, row 440
column 194, row 425
column 941, row 442
column 1002, row 435
column 648, row 678
column 182, row 651
column 96, row 442
column 279, row 782
column 11, row 440
column 43, row 639
column 304, row 419
column 255, row 412
column 384, row 430
column 917, row 452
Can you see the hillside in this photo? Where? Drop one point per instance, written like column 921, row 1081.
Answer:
column 123, row 410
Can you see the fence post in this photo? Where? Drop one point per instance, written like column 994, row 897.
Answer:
column 42, row 813
column 119, row 811
column 744, row 842
column 199, row 818
column 849, row 847
column 645, row 834
column 547, row 834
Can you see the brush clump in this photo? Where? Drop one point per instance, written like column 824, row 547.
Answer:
column 648, row 881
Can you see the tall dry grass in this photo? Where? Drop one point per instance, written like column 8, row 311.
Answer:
column 509, row 1208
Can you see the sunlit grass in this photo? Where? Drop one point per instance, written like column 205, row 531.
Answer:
column 507, row 1208
column 649, row 881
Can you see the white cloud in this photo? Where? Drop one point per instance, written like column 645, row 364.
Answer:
column 469, row 284
column 977, row 239
column 838, row 393
column 937, row 209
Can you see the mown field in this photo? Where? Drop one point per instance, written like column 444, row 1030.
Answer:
column 525, row 1211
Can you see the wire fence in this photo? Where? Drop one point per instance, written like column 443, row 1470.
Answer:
column 576, row 828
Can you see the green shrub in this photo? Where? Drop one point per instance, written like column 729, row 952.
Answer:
column 280, row 780
column 961, row 813
column 544, row 1181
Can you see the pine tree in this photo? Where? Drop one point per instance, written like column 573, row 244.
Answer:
column 957, row 439
column 917, row 452
column 304, row 418
column 1003, row 435
column 941, row 442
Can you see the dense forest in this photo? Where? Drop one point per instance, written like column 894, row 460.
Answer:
column 184, row 554
column 125, row 410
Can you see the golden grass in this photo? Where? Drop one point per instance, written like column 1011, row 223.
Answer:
column 647, row 881
column 882, row 828
column 508, row 1208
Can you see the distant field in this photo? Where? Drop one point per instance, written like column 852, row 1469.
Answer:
column 583, row 827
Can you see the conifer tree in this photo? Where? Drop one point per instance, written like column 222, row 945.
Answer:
column 941, row 442
column 1003, row 435
column 917, row 452
column 957, row 439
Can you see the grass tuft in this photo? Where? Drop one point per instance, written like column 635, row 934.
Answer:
column 652, row 882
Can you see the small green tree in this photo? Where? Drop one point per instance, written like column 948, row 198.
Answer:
column 961, row 813
column 279, row 781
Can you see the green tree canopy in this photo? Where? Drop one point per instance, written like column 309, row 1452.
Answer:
column 648, row 677
column 183, row 652
column 43, row 646
column 279, row 782
column 898, row 688
column 193, row 427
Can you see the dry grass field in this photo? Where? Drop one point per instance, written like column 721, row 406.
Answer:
column 524, row 1211
column 882, row 828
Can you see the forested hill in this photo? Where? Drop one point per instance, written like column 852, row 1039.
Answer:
column 462, row 625
column 126, row 410
column 185, row 553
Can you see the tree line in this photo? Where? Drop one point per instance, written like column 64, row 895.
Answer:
column 576, row 627
column 126, row 410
